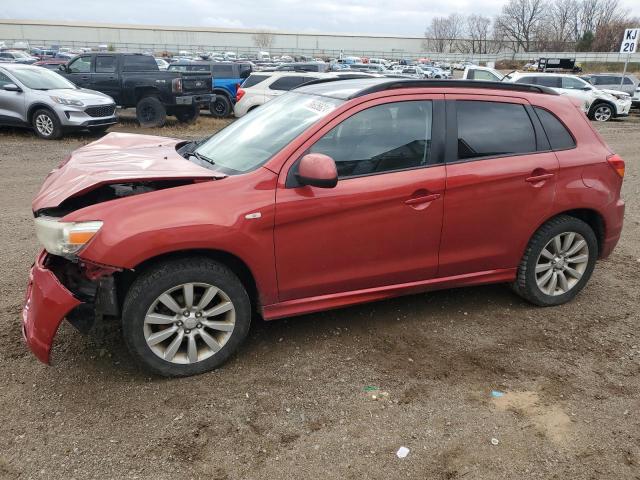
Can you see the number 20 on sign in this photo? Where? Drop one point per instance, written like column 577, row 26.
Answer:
column 630, row 40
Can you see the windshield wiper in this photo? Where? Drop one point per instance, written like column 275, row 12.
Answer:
column 201, row 157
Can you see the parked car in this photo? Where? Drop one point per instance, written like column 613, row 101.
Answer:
column 52, row 63
column 635, row 100
column 603, row 104
column 436, row 72
column 16, row 56
column 599, row 105
column 38, row 98
column 226, row 78
column 261, row 87
column 613, row 81
column 331, row 195
column 302, row 67
column 134, row 80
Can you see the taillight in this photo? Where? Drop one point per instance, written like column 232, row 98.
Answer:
column 239, row 94
column 176, row 85
column 617, row 164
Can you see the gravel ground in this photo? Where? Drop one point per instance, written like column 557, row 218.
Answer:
column 298, row 400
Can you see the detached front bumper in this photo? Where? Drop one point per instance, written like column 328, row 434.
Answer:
column 47, row 303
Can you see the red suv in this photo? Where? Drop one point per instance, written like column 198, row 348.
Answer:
column 337, row 193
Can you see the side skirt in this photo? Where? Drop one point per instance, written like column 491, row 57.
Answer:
column 320, row 303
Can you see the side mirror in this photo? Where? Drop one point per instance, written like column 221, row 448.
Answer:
column 317, row 170
column 11, row 87
column 62, row 68
column 586, row 89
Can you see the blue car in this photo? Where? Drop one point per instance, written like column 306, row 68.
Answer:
column 226, row 78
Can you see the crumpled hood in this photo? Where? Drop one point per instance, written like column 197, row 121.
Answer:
column 615, row 92
column 117, row 158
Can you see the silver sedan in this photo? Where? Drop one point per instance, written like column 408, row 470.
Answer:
column 35, row 97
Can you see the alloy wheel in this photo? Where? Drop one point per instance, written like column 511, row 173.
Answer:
column 562, row 263
column 44, row 124
column 602, row 113
column 189, row 323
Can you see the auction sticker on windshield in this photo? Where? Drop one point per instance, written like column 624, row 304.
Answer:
column 319, row 106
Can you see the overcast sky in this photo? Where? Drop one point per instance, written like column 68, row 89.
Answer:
column 399, row 17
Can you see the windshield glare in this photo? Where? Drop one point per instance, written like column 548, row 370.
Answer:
column 250, row 141
column 40, row 78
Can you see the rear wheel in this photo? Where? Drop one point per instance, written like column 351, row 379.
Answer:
column 558, row 262
column 185, row 317
column 188, row 114
column 601, row 112
column 150, row 112
column 221, row 107
column 46, row 124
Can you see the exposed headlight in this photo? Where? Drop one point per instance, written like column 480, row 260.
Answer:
column 66, row 101
column 64, row 238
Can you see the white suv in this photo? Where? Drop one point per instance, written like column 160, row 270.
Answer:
column 599, row 104
column 261, row 87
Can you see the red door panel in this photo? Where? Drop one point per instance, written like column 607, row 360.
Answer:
column 366, row 232
column 491, row 208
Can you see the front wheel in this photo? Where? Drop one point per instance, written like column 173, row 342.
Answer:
column 185, row 317
column 46, row 124
column 601, row 112
column 558, row 262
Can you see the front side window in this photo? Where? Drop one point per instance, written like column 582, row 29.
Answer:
column 490, row 129
column 393, row 136
column 573, row 83
column 545, row 81
column 484, row 75
column 4, row 80
column 80, row 65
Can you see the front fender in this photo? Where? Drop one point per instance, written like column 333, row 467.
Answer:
column 203, row 216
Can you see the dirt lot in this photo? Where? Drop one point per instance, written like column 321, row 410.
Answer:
column 295, row 404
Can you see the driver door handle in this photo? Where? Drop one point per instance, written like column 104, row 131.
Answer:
column 422, row 199
column 539, row 178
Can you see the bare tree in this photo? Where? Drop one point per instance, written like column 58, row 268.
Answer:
column 443, row 33
column 519, row 22
column 479, row 28
column 263, row 39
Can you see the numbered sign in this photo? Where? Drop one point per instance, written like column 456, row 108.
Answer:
column 630, row 40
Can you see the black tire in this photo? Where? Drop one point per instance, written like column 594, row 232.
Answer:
column 526, row 285
column 150, row 112
column 601, row 112
column 187, row 114
column 46, row 124
column 220, row 107
column 159, row 279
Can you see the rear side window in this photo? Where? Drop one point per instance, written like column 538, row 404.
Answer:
column 223, row 71
column 254, row 80
column 489, row 129
column 139, row 63
column 289, row 82
column 558, row 135
column 545, row 81
column 245, row 70
column 105, row 64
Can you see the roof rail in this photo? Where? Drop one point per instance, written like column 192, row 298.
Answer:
column 411, row 83
column 355, row 76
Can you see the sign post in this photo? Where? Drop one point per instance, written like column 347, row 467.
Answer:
column 629, row 45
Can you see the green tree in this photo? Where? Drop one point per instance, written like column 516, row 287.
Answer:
column 584, row 44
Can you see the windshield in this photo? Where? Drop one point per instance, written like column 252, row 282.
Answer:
column 41, row 79
column 249, row 142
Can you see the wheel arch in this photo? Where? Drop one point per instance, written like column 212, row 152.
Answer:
column 37, row 106
column 225, row 92
column 599, row 101
column 233, row 262
column 591, row 217
column 142, row 92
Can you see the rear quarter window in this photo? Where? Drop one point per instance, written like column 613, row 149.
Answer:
column 558, row 135
column 253, row 80
column 288, row 83
column 223, row 71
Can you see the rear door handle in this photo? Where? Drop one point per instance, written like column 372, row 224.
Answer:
column 84, row 77
column 539, row 178
column 422, row 199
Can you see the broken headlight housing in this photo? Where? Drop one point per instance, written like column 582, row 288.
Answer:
column 65, row 238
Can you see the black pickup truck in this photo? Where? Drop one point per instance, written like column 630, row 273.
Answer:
column 134, row 80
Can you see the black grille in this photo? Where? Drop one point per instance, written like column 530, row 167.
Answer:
column 102, row 111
